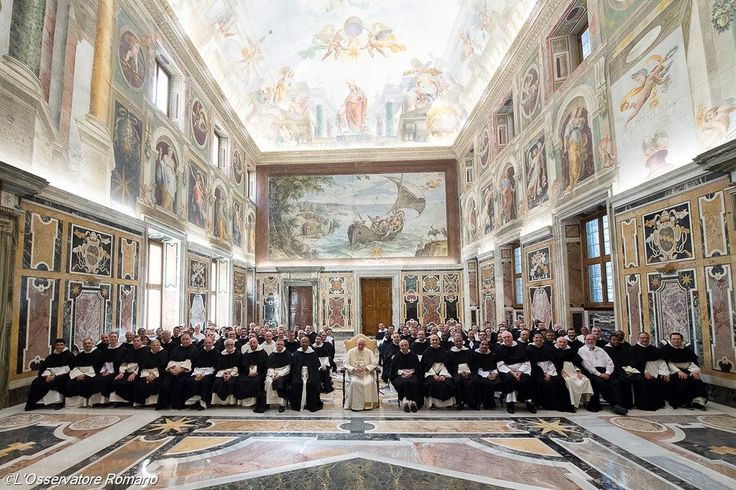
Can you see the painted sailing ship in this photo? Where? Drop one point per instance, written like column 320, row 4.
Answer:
column 390, row 225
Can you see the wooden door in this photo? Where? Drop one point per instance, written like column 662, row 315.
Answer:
column 300, row 306
column 375, row 296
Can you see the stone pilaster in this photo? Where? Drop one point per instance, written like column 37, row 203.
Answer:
column 26, row 33
column 7, row 258
column 100, row 91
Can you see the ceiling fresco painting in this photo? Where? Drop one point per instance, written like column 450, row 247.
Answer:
column 322, row 74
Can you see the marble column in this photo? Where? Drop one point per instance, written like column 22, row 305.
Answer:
column 26, row 32
column 58, row 61
column 100, row 91
column 7, row 252
column 47, row 47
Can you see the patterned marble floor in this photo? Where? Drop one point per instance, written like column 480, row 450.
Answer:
column 384, row 448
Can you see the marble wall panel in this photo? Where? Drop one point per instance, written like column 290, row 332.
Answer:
column 668, row 234
column 42, row 245
column 472, row 268
column 239, row 296
column 633, row 305
column 128, row 259
column 438, row 299
column 38, row 321
column 630, row 243
column 671, row 304
column 127, row 303
column 712, row 211
column 720, row 307
column 91, row 251
column 337, row 299
column 87, row 311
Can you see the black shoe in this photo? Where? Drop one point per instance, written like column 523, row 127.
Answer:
column 282, row 409
column 460, row 406
column 58, row 406
column 199, row 407
column 571, row 409
column 511, row 407
column 31, row 407
column 407, row 409
column 594, row 407
column 619, row 410
column 699, row 406
column 530, row 407
column 414, row 407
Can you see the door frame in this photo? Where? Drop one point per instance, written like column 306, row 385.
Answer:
column 395, row 295
column 285, row 294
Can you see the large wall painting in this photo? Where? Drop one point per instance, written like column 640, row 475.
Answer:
column 577, row 145
column 357, row 216
column 127, row 133
column 537, row 182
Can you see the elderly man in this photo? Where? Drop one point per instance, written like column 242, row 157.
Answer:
column 53, row 374
column 152, row 367
column 176, row 374
column 405, row 378
column 268, row 343
column 226, row 373
column 686, row 389
column 124, row 381
column 304, row 392
column 549, row 386
column 250, row 389
column 515, row 370
column 420, row 344
column 438, row 386
column 599, row 367
column 485, row 367
column 84, row 380
column 198, row 388
column 362, row 392
column 278, row 368
column 466, row 382
column 650, row 389
column 569, row 365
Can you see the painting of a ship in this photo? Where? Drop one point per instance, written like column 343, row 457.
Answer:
column 387, row 227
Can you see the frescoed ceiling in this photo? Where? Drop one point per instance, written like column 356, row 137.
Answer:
column 310, row 74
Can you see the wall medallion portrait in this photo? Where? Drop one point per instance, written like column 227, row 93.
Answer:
column 238, row 171
column 165, row 185
column 200, row 122
column 577, row 146
column 132, row 59
column 530, row 91
column 197, row 196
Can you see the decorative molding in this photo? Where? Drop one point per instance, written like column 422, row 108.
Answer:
column 19, row 182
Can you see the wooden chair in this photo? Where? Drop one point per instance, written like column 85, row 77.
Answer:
column 371, row 344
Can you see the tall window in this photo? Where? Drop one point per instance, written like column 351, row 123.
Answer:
column 597, row 261
column 153, row 285
column 518, row 278
column 569, row 42
column 584, row 42
column 213, row 291
column 219, row 146
column 163, row 88
column 505, row 123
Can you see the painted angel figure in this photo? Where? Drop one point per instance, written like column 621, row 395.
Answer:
column 648, row 81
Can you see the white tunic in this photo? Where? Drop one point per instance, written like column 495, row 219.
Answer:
column 362, row 392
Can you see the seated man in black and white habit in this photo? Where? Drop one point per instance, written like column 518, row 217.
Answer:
column 515, row 368
column 226, row 374
column 405, row 378
column 650, row 389
column 486, row 369
column 124, row 382
column 198, row 387
column 177, row 373
column 112, row 355
column 420, row 344
column 53, row 374
column 152, row 367
column 323, row 351
column 599, row 369
column 438, row 386
column 550, row 391
column 84, row 386
column 249, row 388
column 386, row 351
column 278, row 367
column 686, row 389
column 466, row 382
column 304, row 390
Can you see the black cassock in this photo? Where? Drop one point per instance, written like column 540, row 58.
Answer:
column 409, row 388
column 486, row 386
column 278, row 360
column 649, row 394
column 551, row 394
column 122, row 387
column 510, row 355
column 292, row 346
column 309, row 360
column 386, row 352
column 465, row 386
column 619, row 356
column 172, row 386
column 325, row 376
column 203, row 388
column 111, row 360
column 418, row 348
column 40, row 387
column 441, row 390
column 225, row 360
column 248, row 386
column 150, row 361
column 681, row 392
column 88, row 386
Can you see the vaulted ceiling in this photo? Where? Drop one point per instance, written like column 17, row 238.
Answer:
column 310, row 74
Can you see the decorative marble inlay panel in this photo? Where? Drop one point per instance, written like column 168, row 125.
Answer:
column 672, row 305
column 336, row 312
column 337, row 297
column 431, row 309
column 128, row 260
column 538, row 265
column 240, row 296
column 633, row 305
column 127, row 307
column 451, row 283
column 440, row 296
column 431, row 284
column 42, row 242
column 540, row 301
column 487, row 276
column 720, row 307
column 489, row 308
column 91, row 252
column 711, row 209
column 668, row 235
column 38, row 315
column 198, row 273
column 630, row 244
column 88, row 310
column 472, row 267
column 268, row 298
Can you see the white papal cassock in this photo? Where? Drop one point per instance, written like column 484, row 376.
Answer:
column 362, row 392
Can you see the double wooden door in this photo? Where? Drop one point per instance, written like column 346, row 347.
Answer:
column 300, row 306
column 375, row 300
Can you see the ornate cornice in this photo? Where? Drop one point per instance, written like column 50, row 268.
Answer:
column 19, row 182
column 357, row 155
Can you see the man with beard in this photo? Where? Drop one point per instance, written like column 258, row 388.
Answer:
column 438, row 386
column 152, row 367
column 686, row 389
column 249, row 388
column 323, row 352
column 84, row 381
column 226, row 374
column 549, row 387
column 305, row 379
column 486, row 369
column 461, row 360
column 420, row 344
column 198, row 387
column 599, row 367
column 53, row 375
column 572, row 340
column 515, row 370
column 278, row 367
column 177, row 373
column 123, row 383
column 405, row 378
column 569, row 365
column 650, row 389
